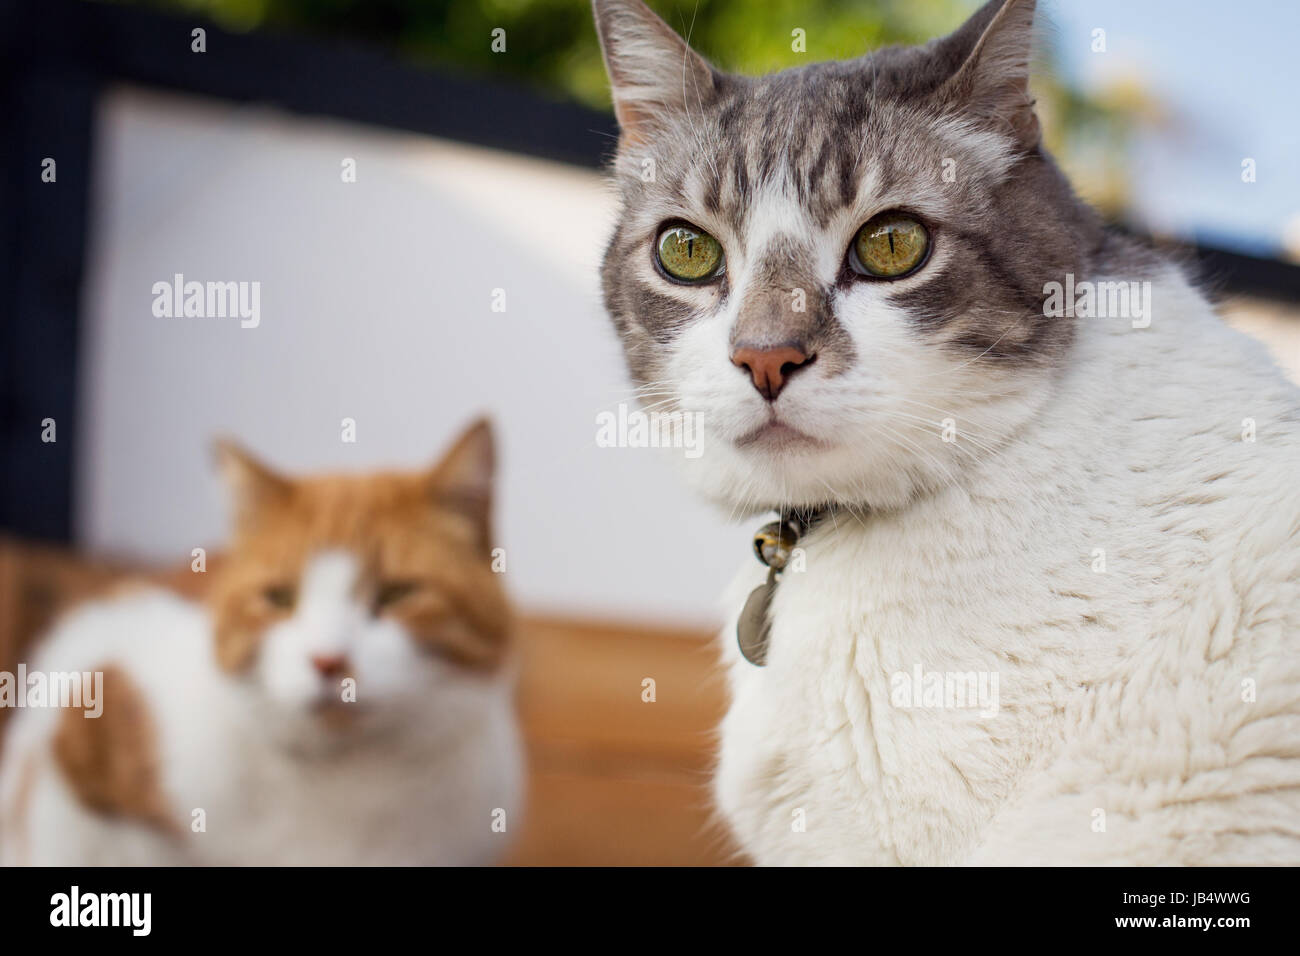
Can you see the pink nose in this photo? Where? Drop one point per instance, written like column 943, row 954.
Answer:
column 329, row 665
column 769, row 368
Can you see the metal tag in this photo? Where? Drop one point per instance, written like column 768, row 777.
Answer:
column 753, row 627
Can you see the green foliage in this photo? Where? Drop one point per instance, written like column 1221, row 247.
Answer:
column 552, row 43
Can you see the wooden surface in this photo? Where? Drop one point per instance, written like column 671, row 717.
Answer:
column 614, row 779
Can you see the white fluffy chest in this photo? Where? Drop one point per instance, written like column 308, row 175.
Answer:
column 912, row 677
column 353, row 812
column 1114, row 569
column 390, row 801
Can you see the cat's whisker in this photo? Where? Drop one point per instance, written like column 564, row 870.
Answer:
column 937, row 427
column 974, row 457
column 843, row 505
column 949, row 478
column 982, row 412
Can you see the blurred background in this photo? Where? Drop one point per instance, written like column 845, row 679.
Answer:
column 393, row 173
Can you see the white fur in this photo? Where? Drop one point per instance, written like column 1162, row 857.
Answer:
column 1099, row 537
column 1124, row 693
column 415, row 780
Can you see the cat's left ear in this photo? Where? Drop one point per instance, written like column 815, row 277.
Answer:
column 992, row 83
column 462, row 481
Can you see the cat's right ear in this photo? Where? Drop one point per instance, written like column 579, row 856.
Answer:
column 252, row 485
column 653, row 74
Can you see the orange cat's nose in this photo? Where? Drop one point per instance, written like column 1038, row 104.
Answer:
column 331, row 665
column 769, row 368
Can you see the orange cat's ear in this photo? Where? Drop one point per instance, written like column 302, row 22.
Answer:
column 252, row 485
column 462, row 480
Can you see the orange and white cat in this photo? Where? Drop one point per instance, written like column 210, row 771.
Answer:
column 342, row 695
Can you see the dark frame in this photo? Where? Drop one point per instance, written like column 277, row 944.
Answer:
column 57, row 56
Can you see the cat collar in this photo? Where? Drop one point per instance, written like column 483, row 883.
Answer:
column 774, row 543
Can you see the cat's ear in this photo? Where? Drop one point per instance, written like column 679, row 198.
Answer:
column 462, row 481
column 653, row 73
column 253, row 486
column 992, row 82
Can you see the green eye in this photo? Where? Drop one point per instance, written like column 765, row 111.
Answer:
column 688, row 254
column 889, row 246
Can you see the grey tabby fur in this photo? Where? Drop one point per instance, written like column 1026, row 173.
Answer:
column 783, row 170
column 820, row 130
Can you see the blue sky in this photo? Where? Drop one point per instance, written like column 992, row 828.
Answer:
column 1228, row 73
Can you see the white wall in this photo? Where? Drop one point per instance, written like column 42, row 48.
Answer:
column 375, row 306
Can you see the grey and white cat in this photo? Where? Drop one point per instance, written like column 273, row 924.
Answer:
column 1090, row 521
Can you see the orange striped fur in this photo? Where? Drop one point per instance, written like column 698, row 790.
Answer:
column 423, row 540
